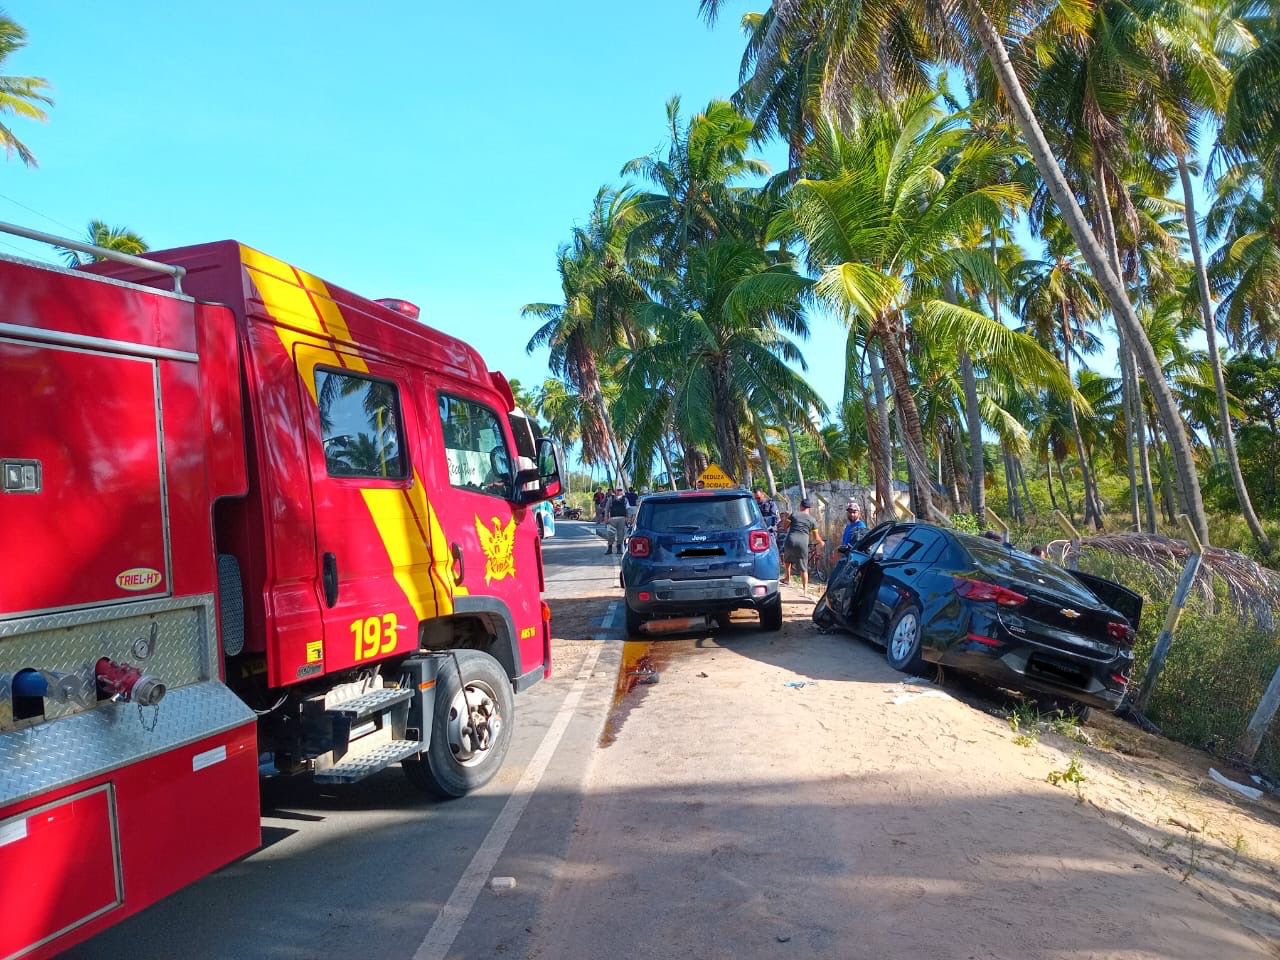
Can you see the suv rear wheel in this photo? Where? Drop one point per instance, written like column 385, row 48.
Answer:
column 634, row 620
column 771, row 615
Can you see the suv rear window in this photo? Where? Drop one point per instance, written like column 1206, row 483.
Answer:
column 698, row 513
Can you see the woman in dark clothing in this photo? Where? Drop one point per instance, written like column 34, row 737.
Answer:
column 795, row 551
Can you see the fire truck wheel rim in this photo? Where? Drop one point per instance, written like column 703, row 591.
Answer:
column 472, row 735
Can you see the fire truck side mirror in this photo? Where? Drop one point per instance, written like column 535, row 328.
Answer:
column 546, row 475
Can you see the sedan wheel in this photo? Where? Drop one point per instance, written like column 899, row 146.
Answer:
column 902, row 643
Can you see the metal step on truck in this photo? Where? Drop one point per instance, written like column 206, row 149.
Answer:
column 253, row 523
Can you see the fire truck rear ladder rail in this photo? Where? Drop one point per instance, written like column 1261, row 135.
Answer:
column 172, row 269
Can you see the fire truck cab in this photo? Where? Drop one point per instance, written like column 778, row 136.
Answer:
column 254, row 522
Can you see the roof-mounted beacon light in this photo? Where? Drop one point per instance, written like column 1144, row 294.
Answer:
column 402, row 307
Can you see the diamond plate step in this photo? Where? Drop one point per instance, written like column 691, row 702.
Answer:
column 352, row 769
column 367, row 704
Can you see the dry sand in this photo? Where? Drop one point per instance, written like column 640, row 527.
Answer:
column 861, row 816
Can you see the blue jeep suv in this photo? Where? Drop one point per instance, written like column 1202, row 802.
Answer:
column 698, row 552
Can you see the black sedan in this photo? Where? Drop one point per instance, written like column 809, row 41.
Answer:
column 929, row 594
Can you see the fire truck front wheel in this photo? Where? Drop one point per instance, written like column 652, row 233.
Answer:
column 470, row 729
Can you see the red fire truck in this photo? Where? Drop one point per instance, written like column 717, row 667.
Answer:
column 249, row 521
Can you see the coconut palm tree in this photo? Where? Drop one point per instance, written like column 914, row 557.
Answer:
column 717, row 352
column 1059, row 302
column 23, row 97
column 100, row 234
column 698, row 180
column 1245, row 269
column 969, row 32
column 880, row 238
column 578, row 337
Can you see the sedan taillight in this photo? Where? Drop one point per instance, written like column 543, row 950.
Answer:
column 1121, row 633
column 758, row 541
column 972, row 589
column 640, row 547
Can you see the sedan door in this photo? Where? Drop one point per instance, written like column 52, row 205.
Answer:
column 906, row 555
column 878, row 594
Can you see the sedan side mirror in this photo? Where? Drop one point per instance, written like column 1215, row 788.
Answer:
column 844, row 549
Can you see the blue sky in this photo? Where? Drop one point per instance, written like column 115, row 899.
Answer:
column 429, row 151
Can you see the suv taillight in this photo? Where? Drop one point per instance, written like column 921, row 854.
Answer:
column 640, row 547
column 1121, row 633
column 984, row 590
column 758, row 541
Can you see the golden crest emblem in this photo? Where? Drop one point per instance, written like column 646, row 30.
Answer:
column 498, row 544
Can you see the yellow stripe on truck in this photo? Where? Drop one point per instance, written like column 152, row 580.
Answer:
column 403, row 519
column 410, row 531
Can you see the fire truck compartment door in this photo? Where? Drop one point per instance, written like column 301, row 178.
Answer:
column 82, row 507
column 42, row 897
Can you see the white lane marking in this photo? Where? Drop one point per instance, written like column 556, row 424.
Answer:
column 457, row 908
column 611, row 618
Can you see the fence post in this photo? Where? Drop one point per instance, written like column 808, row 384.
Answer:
column 1262, row 717
column 1071, row 557
column 995, row 518
column 1163, row 641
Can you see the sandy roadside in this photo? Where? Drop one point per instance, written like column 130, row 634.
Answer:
column 733, row 815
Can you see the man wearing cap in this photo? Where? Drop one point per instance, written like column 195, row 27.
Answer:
column 854, row 525
column 854, row 528
column 768, row 512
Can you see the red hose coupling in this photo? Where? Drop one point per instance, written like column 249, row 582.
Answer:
column 121, row 681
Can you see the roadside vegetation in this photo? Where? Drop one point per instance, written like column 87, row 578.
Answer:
column 1049, row 232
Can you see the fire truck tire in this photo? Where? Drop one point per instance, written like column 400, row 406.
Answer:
column 455, row 762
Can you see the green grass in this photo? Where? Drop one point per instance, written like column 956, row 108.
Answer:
column 1218, row 666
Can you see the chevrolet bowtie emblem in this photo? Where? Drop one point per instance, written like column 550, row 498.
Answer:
column 1068, row 612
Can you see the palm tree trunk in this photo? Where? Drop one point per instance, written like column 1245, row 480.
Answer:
column 1166, row 494
column 795, row 458
column 947, row 469
column 1022, row 478
column 1215, row 361
column 666, row 461
column 1060, row 190
column 1048, row 465
column 912, row 433
column 973, row 419
column 1066, row 493
column 1126, row 399
column 1011, row 487
column 1140, row 435
column 602, row 410
column 882, row 426
column 1091, row 515
column 765, row 465
column 724, row 416
column 878, row 455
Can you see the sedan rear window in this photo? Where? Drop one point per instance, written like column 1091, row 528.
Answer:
column 1009, row 564
column 698, row 513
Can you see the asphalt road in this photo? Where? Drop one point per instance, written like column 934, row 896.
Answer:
column 375, row 870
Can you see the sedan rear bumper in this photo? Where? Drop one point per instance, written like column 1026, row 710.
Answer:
column 692, row 597
column 1028, row 667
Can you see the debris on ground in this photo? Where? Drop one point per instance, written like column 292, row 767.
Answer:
column 643, row 675
column 909, row 689
column 1251, row 792
column 800, row 684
